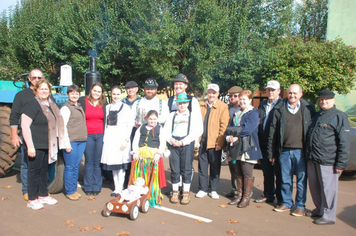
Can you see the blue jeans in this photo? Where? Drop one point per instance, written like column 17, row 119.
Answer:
column 24, row 167
column 92, row 170
column 71, row 168
column 292, row 161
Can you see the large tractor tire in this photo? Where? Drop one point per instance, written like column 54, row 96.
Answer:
column 55, row 175
column 8, row 152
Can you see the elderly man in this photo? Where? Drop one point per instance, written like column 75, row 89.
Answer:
column 150, row 102
column 215, row 117
column 131, row 90
column 327, row 152
column 20, row 102
column 233, row 108
column 270, row 169
column 286, row 140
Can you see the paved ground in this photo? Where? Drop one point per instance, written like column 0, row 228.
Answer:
column 83, row 216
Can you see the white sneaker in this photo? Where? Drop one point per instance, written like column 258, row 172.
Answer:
column 214, row 195
column 201, row 194
column 35, row 204
column 47, row 200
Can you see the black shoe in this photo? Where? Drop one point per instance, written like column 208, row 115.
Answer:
column 95, row 193
column 88, row 193
column 322, row 221
column 311, row 214
column 230, row 195
column 263, row 200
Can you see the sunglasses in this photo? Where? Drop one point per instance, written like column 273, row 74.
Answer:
column 37, row 77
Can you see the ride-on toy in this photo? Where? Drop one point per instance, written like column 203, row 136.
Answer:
column 131, row 206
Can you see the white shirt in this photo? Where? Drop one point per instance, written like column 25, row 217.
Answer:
column 153, row 104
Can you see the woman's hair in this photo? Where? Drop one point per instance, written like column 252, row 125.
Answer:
column 72, row 88
column 151, row 112
column 102, row 97
column 38, row 84
column 246, row 93
column 116, row 87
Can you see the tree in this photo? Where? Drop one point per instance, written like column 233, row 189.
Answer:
column 313, row 65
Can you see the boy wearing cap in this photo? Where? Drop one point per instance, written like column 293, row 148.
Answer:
column 150, row 102
column 215, row 117
column 131, row 90
column 271, row 170
column 327, row 152
column 181, row 130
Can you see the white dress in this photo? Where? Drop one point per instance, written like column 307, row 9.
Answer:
column 117, row 134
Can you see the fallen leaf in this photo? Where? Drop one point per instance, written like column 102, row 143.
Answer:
column 198, row 221
column 123, row 233
column 84, row 229
column 91, row 198
column 233, row 221
column 259, row 206
column 231, row 232
column 70, row 226
column 163, row 223
column 223, row 206
column 5, row 198
column 91, row 212
column 98, row 227
column 68, row 222
column 8, row 186
column 259, row 185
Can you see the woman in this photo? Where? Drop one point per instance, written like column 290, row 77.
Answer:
column 76, row 133
column 94, row 108
column 43, row 131
column 116, row 150
column 248, row 151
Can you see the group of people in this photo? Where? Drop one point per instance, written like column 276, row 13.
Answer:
column 287, row 135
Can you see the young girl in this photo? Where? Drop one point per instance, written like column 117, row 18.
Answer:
column 147, row 147
column 116, row 150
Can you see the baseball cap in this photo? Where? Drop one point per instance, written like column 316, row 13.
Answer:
column 274, row 84
column 214, row 87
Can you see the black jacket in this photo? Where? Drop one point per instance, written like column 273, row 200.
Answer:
column 263, row 134
column 328, row 139
column 277, row 127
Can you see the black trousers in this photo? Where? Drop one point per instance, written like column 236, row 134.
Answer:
column 206, row 157
column 181, row 163
column 37, row 174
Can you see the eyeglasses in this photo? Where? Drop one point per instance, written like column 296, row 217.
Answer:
column 234, row 96
column 36, row 77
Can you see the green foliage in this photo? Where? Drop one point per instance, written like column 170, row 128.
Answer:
column 313, row 65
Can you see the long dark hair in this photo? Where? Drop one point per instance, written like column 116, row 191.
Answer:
column 102, row 97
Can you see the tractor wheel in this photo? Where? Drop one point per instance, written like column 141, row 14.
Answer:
column 8, row 152
column 55, row 175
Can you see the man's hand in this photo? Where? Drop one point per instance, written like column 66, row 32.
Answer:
column 217, row 148
column 272, row 160
column 15, row 140
column 338, row 170
column 31, row 152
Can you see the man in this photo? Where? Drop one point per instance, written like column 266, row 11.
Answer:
column 20, row 101
column 286, row 140
column 215, row 117
column 233, row 108
column 327, row 152
column 131, row 90
column 270, row 169
column 150, row 102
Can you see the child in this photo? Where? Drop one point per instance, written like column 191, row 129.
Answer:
column 116, row 149
column 181, row 130
column 147, row 148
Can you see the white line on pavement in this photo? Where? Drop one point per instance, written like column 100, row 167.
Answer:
column 183, row 214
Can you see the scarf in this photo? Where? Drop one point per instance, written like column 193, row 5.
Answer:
column 238, row 115
column 55, row 128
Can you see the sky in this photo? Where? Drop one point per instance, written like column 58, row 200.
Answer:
column 5, row 4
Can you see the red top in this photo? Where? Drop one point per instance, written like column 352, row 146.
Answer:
column 95, row 118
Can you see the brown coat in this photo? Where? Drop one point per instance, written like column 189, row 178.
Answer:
column 218, row 121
